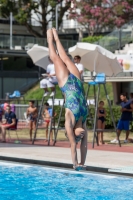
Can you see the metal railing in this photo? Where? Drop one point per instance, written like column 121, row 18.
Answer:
column 118, row 38
column 20, row 106
column 21, row 42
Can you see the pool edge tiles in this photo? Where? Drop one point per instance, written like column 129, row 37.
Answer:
column 51, row 164
column 65, row 165
column 125, row 170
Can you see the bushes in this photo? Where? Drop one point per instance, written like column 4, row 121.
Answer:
column 108, row 42
column 92, row 39
column 57, row 111
column 109, row 123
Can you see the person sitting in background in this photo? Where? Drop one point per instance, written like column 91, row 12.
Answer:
column 126, row 117
column 10, row 122
column 50, row 81
column 79, row 66
column 32, row 115
column 101, row 121
column 5, row 105
column 47, row 116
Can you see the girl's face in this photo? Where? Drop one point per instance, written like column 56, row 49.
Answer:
column 101, row 104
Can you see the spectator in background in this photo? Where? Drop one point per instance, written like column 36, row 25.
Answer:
column 47, row 116
column 126, row 117
column 10, row 122
column 101, row 121
column 79, row 66
column 32, row 114
column 5, row 105
column 49, row 82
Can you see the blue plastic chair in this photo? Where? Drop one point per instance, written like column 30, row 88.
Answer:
column 15, row 94
column 99, row 79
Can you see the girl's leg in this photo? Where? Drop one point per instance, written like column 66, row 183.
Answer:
column 30, row 127
column 46, row 134
column 103, row 127
column 3, row 133
column 34, row 125
column 46, row 126
column 61, row 70
column 70, row 65
column 83, row 147
column 99, row 126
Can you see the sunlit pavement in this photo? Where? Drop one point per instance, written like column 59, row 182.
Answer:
column 105, row 156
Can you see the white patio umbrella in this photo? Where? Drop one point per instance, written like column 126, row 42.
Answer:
column 96, row 58
column 39, row 55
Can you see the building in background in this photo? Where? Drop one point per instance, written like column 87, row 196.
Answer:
column 17, row 71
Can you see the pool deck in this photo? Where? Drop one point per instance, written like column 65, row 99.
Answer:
column 103, row 158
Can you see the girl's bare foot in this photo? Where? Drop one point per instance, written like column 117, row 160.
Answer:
column 83, row 167
column 49, row 35
column 79, row 167
column 55, row 34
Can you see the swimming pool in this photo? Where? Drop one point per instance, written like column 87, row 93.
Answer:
column 28, row 182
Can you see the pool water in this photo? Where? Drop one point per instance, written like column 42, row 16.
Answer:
column 27, row 182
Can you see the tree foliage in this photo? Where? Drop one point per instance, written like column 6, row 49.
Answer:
column 92, row 39
column 44, row 12
column 96, row 14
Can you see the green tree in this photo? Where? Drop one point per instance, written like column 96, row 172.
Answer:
column 41, row 11
column 97, row 14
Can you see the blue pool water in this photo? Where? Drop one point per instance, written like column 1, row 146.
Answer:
column 25, row 182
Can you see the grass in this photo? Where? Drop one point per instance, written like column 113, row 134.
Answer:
column 36, row 93
column 108, row 136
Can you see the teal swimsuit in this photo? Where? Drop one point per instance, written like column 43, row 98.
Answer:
column 75, row 99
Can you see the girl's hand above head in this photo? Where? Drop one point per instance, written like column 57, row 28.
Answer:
column 77, row 139
column 79, row 134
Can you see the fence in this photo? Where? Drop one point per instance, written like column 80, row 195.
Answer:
column 20, row 108
column 118, row 38
column 21, row 42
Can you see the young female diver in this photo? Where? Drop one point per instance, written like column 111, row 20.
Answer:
column 70, row 84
